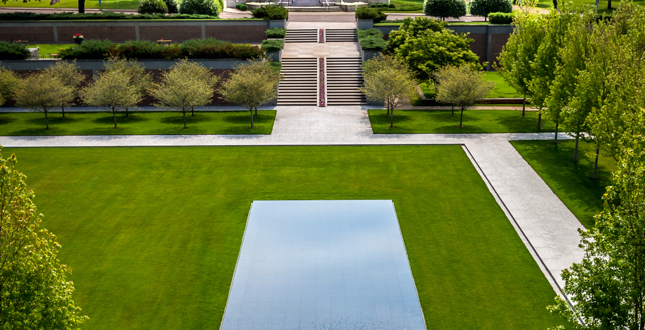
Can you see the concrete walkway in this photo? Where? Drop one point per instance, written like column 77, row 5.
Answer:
column 542, row 221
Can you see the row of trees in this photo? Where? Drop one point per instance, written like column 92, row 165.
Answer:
column 124, row 83
column 582, row 71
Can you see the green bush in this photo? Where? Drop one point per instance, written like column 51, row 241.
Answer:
column 13, row 51
column 276, row 32
column 372, row 43
column 370, row 13
column 173, row 6
column 212, row 48
column 141, row 50
column 391, row 6
column 412, row 28
column 152, row 7
column 500, row 18
column 363, row 33
column 241, row 6
column 89, row 16
column 445, row 8
column 202, row 7
column 271, row 13
column 89, row 49
column 272, row 45
column 485, row 7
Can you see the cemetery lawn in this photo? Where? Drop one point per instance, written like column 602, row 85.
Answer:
column 153, row 234
column 442, row 121
column 571, row 182
column 137, row 123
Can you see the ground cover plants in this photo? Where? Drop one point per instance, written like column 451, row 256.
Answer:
column 443, row 121
column 137, row 123
column 153, row 234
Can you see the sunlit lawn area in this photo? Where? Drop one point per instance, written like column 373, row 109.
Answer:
column 443, row 121
column 153, row 234
column 137, row 123
column 602, row 5
column 92, row 4
column 571, row 181
column 502, row 89
column 47, row 49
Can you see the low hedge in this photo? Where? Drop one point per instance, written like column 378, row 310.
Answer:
column 200, row 7
column 271, row 13
column 500, row 18
column 152, row 7
column 272, row 45
column 371, row 39
column 276, row 32
column 20, row 16
column 370, row 13
column 13, row 51
column 241, row 6
column 195, row 48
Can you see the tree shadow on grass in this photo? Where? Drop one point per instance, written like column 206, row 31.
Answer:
column 177, row 118
column 6, row 119
column 38, row 131
column 527, row 124
column 53, row 120
column 121, row 119
column 246, row 119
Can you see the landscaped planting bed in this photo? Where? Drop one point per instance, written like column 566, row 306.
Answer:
column 137, row 123
column 153, row 234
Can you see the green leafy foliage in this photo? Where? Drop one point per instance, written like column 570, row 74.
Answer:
column 271, row 13
column 112, row 91
column 371, row 39
column 500, row 18
column 89, row 49
column 200, row 7
column 485, row 7
column 13, row 51
column 370, row 13
column 413, row 28
column 106, row 15
column 241, row 6
column 142, row 49
column 35, row 291
column 213, row 48
column 461, row 86
column 172, row 5
column 445, row 8
column 40, row 92
column 272, row 45
column 276, row 32
column 8, row 83
column 152, row 7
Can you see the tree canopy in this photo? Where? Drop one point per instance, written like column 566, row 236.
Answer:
column 461, row 86
column 41, row 92
column 444, row 8
column 111, row 90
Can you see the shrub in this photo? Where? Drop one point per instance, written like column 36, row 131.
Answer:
column 173, row 6
column 485, row 7
column 271, row 13
column 90, row 49
column 276, row 32
column 500, row 18
column 372, row 43
column 445, row 8
column 152, row 7
column 202, row 7
column 143, row 49
column 272, row 45
column 241, row 6
column 13, row 51
column 213, row 48
column 363, row 33
column 391, row 6
column 370, row 13
column 413, row 28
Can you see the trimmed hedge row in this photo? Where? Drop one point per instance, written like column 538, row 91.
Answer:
column 370, row 13
column 241, row 6
column 371, row 39
column 19, row 16
column 195, row 48
column 13, row 51
column 271, row 13
column 272, row 45
column 276, row 33
column 500, row 18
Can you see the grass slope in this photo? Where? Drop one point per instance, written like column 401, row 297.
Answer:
column 570, row 181
column 138, row 123
column 442, row 121
column 153, row 234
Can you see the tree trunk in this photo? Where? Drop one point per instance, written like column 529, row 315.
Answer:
column 595, row 166
column 184, row 112
column 452, row 110
column 251, row 117
column 575, row 151
column 461, row 118
column 127, row 114
column 392, row 118
column 192, row 111
column 555, row 4
column 256, row 111
column 114, row 116
column 81, row 6
column 556, row 133
column 539, row 121
column 46, row 120
column 609, row 4
column 523, row 105
column 63, row 109
column 597, row 3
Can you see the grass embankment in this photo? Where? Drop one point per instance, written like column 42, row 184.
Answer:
column 137, row 123
column 442, row 121
column 571, row 182
column 153, row 234
column 501, row 90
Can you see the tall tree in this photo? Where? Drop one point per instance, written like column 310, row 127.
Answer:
column 182, row 90
column 387, row 79
column 462, row 86
column 135, row 71
column 251, row 85
column 34, row 290
column 42, row 92
column 9, row 81
column 69, row 75
column 111, row 91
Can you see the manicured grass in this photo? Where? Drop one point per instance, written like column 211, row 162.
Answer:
column 47, row 49
column 501, row 90
column 137, row 123
column 442, row 121
column 105, row 4
column 571, row 182
column 153, row 234
column 602, row 5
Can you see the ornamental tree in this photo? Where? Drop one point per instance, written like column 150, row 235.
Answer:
column 444, row 8
column 111, row 91
column 387, row 79
column 70, row 76
column 8, row 83
column 461, row 86
column 41, row 92
column 412, row 28
column 485, row 7
column 251, row 85
column 138, row 79
column 34, row 290
column 197, row 71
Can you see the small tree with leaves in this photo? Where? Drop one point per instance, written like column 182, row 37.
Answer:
column 388, row 80
column 138, row 79
column 182, row 90
column 111, row 91
column 68, row 74
column 35, row 292
column 251, row 85
column 462, row 86
column 9, row 81
column 42, row 92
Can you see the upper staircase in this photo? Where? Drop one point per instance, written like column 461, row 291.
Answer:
column 341, row 35
column 301, row 35
column 344, row 79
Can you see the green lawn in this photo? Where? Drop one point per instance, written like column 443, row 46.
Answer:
column 501, row 90
column 571, row 182
column 91, row 4
column 602, row 5
column 138, row 123
column 153, row 234
column 47, row 49
column 442, row 121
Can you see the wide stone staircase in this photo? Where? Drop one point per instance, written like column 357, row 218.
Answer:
column 341, row 35
column 344, row 78
column 299, row 84
column 301, row 35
